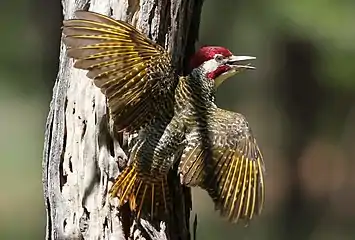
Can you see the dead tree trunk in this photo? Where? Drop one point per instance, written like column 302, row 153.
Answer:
column 80, row 156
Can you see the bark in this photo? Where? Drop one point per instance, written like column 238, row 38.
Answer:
column 81, row 155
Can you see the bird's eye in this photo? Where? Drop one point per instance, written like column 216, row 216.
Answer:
column 218, row 57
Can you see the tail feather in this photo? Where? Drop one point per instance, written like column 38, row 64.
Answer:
column 146, row 195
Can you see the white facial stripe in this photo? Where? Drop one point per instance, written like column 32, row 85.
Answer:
column 210, row 65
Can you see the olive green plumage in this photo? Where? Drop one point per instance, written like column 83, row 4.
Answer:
column 171, row 114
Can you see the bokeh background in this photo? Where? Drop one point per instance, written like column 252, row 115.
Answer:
column 300, row 103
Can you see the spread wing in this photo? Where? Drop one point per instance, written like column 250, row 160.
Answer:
column 133, row 72
column 227, row 162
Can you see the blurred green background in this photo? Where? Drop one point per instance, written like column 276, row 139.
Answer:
column 300, row 103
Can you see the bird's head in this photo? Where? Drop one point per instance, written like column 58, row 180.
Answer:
column 218, row 63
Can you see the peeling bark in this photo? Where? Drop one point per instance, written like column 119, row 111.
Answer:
column 82, row 156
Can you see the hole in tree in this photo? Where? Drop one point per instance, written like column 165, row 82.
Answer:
column 87, row 6
column 84, row 129
column 70, row 165
column 62, row 176
column 64, row 224
column 110, row 145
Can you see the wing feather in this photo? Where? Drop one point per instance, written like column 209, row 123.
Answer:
column 133, row 72
column 231, row 171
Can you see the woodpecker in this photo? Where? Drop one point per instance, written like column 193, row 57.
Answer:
column 172, row 114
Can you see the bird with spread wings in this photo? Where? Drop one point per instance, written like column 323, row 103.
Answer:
column 171, row 114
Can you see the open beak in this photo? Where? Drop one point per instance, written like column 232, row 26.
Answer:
column 236, row 62
column 236, row 66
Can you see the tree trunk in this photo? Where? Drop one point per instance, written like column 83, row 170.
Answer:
column 81, row 156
